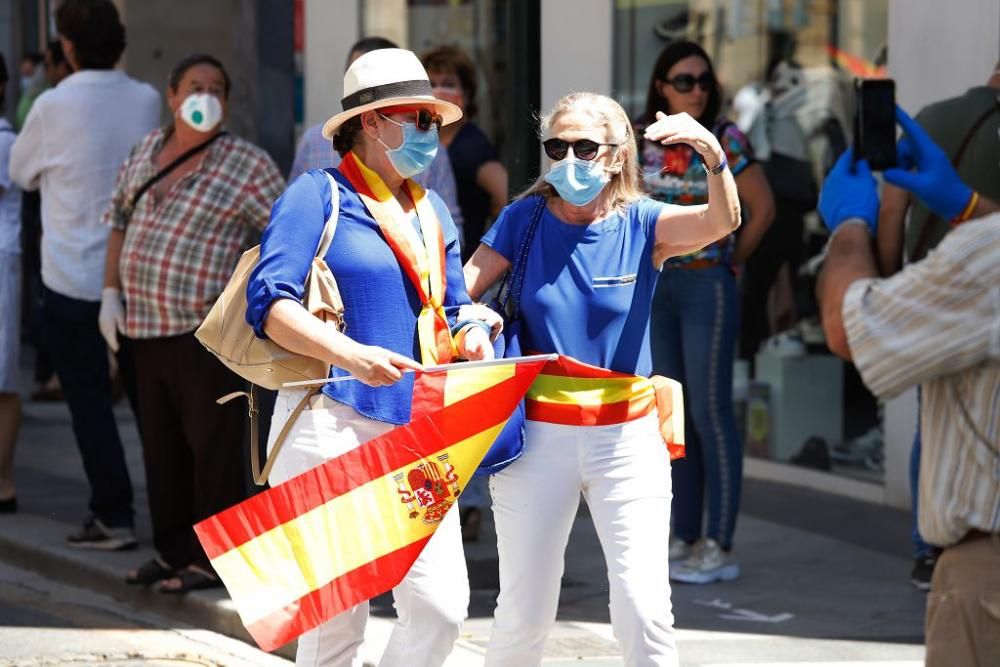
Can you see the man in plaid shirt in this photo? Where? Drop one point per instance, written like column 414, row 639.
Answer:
column 172, row 252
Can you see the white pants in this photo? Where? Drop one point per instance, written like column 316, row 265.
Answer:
column 433, row 599
column 624, row 474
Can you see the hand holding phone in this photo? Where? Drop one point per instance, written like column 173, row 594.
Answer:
column 933, row 179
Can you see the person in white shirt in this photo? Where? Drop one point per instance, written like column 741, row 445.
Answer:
column 73, row 143
column 10, row 309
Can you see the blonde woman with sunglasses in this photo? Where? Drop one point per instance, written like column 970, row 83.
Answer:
column 589, row 273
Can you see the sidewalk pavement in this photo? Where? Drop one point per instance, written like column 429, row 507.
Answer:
column 825, row 579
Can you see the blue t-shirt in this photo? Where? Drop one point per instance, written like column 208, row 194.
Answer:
column 380, row 303
column 587, row 288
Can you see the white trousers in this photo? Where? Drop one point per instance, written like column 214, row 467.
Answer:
column 433, row 599
column 624, row 474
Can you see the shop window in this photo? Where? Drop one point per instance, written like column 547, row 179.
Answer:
column 785, row 68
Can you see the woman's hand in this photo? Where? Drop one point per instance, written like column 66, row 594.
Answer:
column 681, row 128
column 483, row 313
column 476, row 345
column 376, row 366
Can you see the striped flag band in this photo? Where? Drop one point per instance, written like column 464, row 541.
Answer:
column 577, row 394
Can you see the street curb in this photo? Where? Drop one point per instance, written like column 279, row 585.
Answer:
column 35, row 543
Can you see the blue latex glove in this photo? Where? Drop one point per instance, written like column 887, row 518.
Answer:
column 934, row 180
column 849, row 191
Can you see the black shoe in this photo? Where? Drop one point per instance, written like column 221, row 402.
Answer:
column 95, row 535
column 923, row 570
column 8, row 505
column 814, row 454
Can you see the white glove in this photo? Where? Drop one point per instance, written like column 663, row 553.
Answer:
column 111, row 319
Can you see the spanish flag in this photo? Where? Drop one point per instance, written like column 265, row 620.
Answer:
column 300, row 553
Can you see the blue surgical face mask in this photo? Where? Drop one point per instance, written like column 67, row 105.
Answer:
column 416, row 152
column 577, row 181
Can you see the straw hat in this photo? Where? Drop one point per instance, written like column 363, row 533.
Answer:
column 387, row 78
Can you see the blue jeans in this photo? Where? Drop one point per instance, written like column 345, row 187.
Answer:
column 80, row 357
column 694, row 328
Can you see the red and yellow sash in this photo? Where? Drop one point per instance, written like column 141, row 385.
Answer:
column 423, row 261
column 577, row 394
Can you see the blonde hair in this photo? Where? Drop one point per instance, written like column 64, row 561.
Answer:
column 625, row 186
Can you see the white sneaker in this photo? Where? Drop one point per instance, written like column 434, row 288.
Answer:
column 706, row 564
column 679, row 549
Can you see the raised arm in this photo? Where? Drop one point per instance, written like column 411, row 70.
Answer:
column 681, row 230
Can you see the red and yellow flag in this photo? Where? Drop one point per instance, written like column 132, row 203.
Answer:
column 298, row 554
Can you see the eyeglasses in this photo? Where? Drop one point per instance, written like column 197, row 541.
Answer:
column 684, row 83
column 585, row 149
column 424, row 118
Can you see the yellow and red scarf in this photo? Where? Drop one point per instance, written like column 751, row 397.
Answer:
column 423, row 261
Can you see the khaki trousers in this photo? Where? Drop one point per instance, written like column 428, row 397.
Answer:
column 963, row 609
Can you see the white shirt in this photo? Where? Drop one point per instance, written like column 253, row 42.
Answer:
column 74, row 141
column 10, row 196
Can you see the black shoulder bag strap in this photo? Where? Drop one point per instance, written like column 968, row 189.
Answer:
column 163, row 173
column 510, row 303
column 920, row 248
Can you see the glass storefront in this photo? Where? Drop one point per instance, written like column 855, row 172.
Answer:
column 786, row 68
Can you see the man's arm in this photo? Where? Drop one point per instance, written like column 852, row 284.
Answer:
column 935, row 317
column 891, row 228
column 28, row 155
column 849, row 258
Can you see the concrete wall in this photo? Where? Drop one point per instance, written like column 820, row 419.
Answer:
column 939, row 50
column 331, row 28
column 161, row 33
column 252, row 38
column 576, row 48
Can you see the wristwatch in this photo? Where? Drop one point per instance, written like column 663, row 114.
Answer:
column 718, row 169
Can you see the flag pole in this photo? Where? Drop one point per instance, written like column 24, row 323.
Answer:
column 435, row 369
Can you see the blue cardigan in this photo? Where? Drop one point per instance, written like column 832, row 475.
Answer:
column 380, row 303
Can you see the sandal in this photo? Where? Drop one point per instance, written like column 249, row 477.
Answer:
column 149, row 573
column 191, row 580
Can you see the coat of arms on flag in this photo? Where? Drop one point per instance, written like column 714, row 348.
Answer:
column 350, row 529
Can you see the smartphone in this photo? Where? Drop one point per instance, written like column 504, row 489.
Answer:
column 875, row 122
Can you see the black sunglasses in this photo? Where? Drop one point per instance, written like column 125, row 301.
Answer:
column 424, row 119
column 684, row 83
column 585, row 149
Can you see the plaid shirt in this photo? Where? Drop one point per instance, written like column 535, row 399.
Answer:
column 179, row 252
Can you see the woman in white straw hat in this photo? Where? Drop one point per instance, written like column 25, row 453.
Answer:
column 396, row 259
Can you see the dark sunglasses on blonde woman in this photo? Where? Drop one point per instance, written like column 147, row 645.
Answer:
column 585, row 149
column 685, row 83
